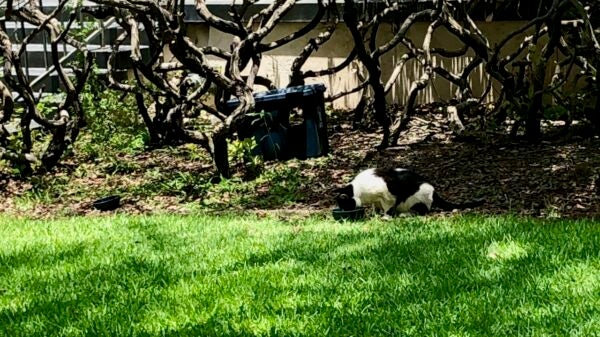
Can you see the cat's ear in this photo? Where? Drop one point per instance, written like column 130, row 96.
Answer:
column 338, row 190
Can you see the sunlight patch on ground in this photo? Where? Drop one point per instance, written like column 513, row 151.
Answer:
column 257, row 299
column 535, row 313
column 576, row 279
column 506, row 250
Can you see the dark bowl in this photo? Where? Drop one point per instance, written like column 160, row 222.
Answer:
column 355, row 214
column 108, row 203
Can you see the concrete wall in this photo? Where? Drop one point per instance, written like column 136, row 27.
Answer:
column 277, row 63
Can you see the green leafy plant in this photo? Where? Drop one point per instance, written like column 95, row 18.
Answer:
column 181, row 184
column 241, row 151
column 119, row 165
column 113, row 123
column 184, row 184
column 555, row 112
column 47, row 105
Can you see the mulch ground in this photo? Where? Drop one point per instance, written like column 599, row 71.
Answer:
column 551, row 178
column 548, row 179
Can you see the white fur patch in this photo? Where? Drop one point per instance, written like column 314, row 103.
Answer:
column 423, row 195
column 370, row 189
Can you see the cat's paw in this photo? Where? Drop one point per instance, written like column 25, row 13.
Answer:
column 386, row 217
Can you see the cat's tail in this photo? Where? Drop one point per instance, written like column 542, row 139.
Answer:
column 440, row 202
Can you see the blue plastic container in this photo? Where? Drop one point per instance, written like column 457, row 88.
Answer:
column 275, row 137
column 281, row 96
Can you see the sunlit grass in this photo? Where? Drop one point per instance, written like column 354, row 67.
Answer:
column 244, row 275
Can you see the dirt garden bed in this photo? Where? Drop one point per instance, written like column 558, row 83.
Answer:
column 546, row 179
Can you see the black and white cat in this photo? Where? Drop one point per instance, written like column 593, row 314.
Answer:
column 394, row 190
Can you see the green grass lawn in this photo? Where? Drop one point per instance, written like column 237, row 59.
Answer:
column 242, row 275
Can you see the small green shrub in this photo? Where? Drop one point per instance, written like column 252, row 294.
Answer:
column 119, row 165
column 47, row 105
column 47, row 188
column 241, row 152
column 113, row 122
column 185, row 185
column 555, row 112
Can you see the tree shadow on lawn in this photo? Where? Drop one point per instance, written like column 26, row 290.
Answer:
column 500, row 279
column 39, row 255
column 94, row 300
column 88, row 286
column 414, row 276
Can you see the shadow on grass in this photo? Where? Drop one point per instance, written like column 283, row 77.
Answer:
column 40, row 255
column 504, row 279
column 473, row 276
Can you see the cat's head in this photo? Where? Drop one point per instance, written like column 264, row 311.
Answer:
column 345, row 198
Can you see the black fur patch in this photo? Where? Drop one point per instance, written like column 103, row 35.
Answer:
column 420, row 208
column 401, row 184
column 345, row 198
